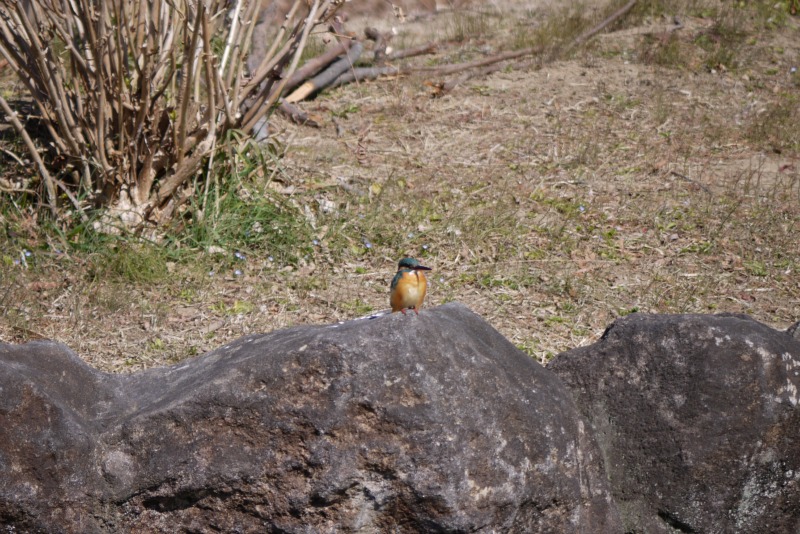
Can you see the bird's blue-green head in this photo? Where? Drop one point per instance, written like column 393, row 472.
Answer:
column 413, row 264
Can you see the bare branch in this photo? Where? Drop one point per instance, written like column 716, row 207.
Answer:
column 231, row 37
column 618, row 14
column 458, row 67
column 427, row 48
column 327, row 76
column 315, row 65
column 34, row 153
column 367, row 73
column 252, row 118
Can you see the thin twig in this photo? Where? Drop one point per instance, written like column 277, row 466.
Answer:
column 231, row 36
column 458, row 67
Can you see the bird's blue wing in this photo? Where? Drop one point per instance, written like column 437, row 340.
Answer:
column 396, row 279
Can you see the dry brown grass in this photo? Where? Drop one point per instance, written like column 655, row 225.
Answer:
column 641, row 173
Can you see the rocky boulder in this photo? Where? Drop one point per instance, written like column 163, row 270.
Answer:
column 430, row 423
column 698, row 420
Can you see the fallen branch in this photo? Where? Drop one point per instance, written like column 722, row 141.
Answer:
column 326, row 77
column 428, row 48
column 367, row 73
column 341, row 72
column 444, row 87
column 459, row 67
column 348, row 75
column 618, row 14
column 313, row 66
column 296, row 115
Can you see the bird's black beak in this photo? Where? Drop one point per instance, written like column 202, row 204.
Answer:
column 422, row 268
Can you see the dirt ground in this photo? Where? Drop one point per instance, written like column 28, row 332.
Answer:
column 551, row 197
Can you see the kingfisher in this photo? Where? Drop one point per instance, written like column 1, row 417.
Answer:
column 408, row 286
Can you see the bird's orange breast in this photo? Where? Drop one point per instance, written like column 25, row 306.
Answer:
column 409, row 291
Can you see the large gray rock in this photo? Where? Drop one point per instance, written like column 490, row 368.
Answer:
column 698, row 420
column 430, row 423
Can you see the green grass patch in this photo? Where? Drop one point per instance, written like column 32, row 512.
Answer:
column 140, row 263
column 235, row 213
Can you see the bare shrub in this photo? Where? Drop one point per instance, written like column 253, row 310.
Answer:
column 132, row 96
